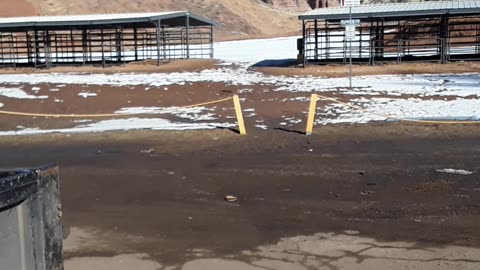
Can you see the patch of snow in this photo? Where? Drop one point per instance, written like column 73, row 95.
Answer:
column 120, row 124
column 255, row 50
column 412, row 108
column 54, row 90
column 1, row 105
column 87, row 94
column 83, row 121
column 262, row 127
column 36, row 89
column 423, row 85
column 300, row 99
column 18, row 93
column 246, row 90
column 224, row 64
column 194, row 113
column 294, row 120
column 454, row 171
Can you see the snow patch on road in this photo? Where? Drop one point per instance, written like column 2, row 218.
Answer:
column 120, row 124
column 194, row 113
column 377, row 109
column 455, row 171
column 264, row 127
column 87, row 94
column 423, row 85
column 18, row 93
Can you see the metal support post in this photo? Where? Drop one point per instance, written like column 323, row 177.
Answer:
column 135, row 42
column 316, row 39
column 350, row 17
column 103, row 49
column 304, row 49
column 187, row 37
column 211, row 42
column 158, row 24
column 84, row 46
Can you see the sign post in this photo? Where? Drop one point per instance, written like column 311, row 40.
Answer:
column 350, row 31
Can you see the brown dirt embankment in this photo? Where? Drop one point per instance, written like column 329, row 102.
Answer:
column 336, row 71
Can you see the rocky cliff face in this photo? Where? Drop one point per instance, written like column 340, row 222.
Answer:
column 238, row 19
column 323, row 3
column 303, row 5
column 290, row 5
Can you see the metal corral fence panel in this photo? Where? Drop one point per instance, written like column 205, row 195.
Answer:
column 104, row 46
column 380, row 40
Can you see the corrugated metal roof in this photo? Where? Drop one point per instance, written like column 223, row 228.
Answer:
column 98, row 19
column 397, row 10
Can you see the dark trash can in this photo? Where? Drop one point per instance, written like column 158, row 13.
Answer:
column 30, row 219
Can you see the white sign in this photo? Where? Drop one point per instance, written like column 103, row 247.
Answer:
column 350, row 3
column 355, row 22
column 350, row 32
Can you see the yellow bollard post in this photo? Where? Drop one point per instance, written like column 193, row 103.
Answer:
column 311, row 114
column 238, row 110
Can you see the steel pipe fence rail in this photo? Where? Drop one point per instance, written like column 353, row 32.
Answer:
column 104, row 46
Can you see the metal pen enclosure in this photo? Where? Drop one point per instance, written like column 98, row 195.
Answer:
column 104, row 39
column 440, row 31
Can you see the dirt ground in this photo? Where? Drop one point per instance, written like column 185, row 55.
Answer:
column 17, row 8
column 148, row 66
column 347, row 197
column 193, row 65
column 336, row 71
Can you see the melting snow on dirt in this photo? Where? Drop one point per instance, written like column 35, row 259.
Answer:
column 194, row 113
column 423, row 85
column 455, row 171
column 18, row 94
column 87, row 94
column 383, row 97
column 380, row 109
column 120, row 124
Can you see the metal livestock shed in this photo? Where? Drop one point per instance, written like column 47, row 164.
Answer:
column 104, row 39
column 438, row 31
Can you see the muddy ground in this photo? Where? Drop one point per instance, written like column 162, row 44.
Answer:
column 161, row 194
